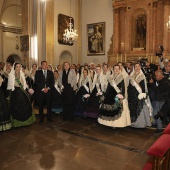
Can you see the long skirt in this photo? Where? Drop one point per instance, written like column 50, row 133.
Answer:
column 121, row 120
column 20, row 108
column 5, row 122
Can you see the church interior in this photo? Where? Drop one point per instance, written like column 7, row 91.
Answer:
column 32, row 31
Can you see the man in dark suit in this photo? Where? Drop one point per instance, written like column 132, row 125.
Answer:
column 44, row 82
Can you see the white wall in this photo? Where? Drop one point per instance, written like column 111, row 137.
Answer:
column 9, row 44
column 94, row 11
column 64, row 8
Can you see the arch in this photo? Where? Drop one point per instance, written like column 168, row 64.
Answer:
column 4, row 9
column 12, row 58
column 65, row 56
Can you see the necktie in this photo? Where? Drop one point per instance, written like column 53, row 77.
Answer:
column 45, row 74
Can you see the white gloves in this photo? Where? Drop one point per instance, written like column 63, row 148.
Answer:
column 86, row 95
column 142, row 96
column 31, row 91
column 99, row 93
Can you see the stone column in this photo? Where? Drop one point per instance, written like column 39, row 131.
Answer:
column 154, row 26
column 124, row 28
column 166, row 17
column 116, row 38
column 79, row 31
column 50, row 32
column 25, row 54
column 41, row 30
column 43, row 19
column 1, row 44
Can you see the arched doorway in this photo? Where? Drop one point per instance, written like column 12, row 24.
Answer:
column 65, row 56
column 13, row 58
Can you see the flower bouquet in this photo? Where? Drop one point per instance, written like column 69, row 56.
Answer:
column 118, row 99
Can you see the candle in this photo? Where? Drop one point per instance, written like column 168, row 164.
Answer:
column 151, row 58
column 117, row 58
column 121, row 58
column 125, row 58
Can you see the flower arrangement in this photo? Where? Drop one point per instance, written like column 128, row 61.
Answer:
column 118, row 99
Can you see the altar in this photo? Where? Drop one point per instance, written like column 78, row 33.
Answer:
column 139, row 29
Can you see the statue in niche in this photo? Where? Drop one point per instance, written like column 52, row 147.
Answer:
column 141, row 31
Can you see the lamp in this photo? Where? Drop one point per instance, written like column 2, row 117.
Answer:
column 70, row 34
column 168, row 25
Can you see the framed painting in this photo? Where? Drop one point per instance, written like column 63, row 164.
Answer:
column 24, row 41
column 63, row 23
column 96, row 39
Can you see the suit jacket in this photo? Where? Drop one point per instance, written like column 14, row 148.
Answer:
column 41, row 82
column 160, row 92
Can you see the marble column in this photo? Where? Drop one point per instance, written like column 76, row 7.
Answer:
column 116, row 30
column 1, row 44
column 43, row 19
column 166, row 17
column 79, row 32
column 124, row 27
column 41, row 30
column 50, row 32
column 154, row 26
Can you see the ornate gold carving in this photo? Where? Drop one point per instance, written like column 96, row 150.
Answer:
column 110, row 52
column 117, row 10
column 155, row 4
column 125, row 9
column 166, row 2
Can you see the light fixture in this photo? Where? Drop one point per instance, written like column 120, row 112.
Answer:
column 70, row 34
column 168, row 25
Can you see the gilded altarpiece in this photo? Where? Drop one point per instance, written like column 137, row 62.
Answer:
column 139, row 28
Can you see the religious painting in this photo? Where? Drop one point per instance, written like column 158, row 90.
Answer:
column 96, row 39
column 24, row 42
column 63, row 24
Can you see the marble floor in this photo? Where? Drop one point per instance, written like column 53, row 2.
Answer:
column 79, row 145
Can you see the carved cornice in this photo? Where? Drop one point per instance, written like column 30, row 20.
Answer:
column 117, row 10
column 155, row 4
column 166, row 2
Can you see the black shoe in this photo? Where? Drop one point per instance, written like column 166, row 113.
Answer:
column 158, row 131
column 41, row 121
column 50, row 119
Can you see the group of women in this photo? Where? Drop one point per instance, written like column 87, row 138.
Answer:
column 113, row 97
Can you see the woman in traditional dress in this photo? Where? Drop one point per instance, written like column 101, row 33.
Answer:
column 19, row 102
column 139, row 103
column 91, row 108
column 33, row 71
column 56, row 96
column 6, row 71
column 114, row 110
column 83, row 93
column 5, row 122
column 29, row 82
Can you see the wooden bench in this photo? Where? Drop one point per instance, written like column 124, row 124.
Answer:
column 160, row 153
column 167, row 129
